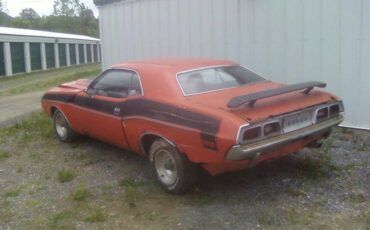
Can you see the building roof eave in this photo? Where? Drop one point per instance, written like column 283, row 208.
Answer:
column 105, row 2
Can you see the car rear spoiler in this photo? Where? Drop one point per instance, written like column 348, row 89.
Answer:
column 251, row 99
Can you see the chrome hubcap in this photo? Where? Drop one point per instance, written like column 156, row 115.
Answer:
column 166, row 167
column 60, row 125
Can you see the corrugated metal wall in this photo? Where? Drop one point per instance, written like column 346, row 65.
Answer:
column 285, row 40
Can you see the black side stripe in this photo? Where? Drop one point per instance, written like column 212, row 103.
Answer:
column 208, row 126
column 59, row 97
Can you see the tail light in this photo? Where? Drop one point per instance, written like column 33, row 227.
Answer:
column 271, row 128
column 322, row 114
column 252, row 134
column 334, row 110
column 280, row 125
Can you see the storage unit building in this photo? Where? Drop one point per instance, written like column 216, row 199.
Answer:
column 23, row 50
column 288, row 41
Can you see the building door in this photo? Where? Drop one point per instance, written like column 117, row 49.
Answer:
column 50, row 57
column 2, row 59
column 88, row 50
column 17, row 52
column 81, row 53
column 35, row 52
column 95, row 52
column 72, row 54
column 62, row 55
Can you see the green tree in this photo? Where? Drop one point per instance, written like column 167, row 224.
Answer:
column 89, row 24
column 68, row 8
column 5, row 19
column 3, row 7
column 29, row 14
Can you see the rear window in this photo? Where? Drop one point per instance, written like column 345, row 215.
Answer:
column 216, row 78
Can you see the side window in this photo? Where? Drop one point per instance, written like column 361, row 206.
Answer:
column 135, row 86
column 117, row 84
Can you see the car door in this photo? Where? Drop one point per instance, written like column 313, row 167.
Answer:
column 103, row 103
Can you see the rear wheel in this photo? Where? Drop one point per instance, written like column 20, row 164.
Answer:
column 62, row 129
column 174, row 172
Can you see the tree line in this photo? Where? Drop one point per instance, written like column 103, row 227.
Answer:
column 69, row 16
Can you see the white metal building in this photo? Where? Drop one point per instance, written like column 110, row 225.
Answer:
column 284, row 40
column 23, row 50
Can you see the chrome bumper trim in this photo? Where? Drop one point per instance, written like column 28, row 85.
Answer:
column 253, row 150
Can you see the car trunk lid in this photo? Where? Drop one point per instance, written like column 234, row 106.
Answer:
column 263, row 108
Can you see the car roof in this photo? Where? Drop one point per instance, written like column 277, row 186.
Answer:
column 173, row 65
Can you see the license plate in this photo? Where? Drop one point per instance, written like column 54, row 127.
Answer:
column 297, row 121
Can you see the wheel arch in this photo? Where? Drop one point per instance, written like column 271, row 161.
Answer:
column 148, row 138
column 54, row 108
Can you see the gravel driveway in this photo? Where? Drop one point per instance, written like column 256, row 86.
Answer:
column 15, row 107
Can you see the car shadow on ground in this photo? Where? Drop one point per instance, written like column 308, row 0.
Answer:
column 268, row 177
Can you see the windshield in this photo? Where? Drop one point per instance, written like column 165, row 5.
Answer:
column 216, row 78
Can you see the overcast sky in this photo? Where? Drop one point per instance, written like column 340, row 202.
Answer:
column 42, row 7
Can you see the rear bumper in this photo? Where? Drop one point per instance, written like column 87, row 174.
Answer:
column 251, row 151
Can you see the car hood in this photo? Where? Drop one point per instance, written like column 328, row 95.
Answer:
column 80, row 84
column 263, row 108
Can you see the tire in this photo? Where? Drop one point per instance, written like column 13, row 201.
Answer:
column 62, row 129
column 173, row 171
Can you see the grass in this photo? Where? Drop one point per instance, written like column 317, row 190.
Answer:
column 318, row 164
column 96, row 216
column 37, row 126
column 65, row 176
column 297, row 216
column 201, row 199
column 13, row 192
column 60, row 216
column 48, row 83
column 131, row 190
column 4, row 155
column 5, row 215
column 80, row 194
column 296, row 192
column 365, row 216
column 357, row 196
column 129, row 182
column 48, row 72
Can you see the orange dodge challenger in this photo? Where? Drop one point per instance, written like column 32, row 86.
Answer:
column 190, row 114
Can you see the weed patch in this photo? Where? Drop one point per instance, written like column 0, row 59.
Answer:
column 295, row 216
column 36, row 127
column 319, row 164
column 296, row 192
column 131, row 189
column 59, row 217
column 96, row 216
column 357, row 196
column 13, row 192
column 366, row 218
column 4, row 155
column 80, row 194
column 65, row 176
column 129, row 182
column 6, row 215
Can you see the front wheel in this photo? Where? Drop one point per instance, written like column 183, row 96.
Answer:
column 62, row 129
column 174, row 172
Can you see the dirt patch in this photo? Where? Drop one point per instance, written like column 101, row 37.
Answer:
column 15, row 107
column 21, row 95
column 46, row 184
